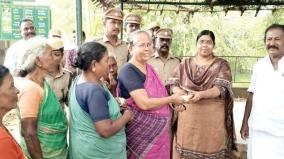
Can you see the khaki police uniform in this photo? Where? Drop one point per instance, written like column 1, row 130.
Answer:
column 132, row 18
column 120, row 49
column 164, row 67
column 152, row 25
column 60, row 82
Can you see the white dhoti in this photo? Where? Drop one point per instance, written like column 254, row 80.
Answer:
column 263, row 145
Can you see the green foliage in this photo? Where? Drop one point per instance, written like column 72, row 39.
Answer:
column 236, row 35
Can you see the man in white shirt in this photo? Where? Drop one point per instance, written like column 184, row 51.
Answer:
column 263, row 122
column 13, row 55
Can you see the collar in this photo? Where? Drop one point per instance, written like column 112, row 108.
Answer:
column 105, row 39
column 170, row 56
column 60, row 73
column 267, row 58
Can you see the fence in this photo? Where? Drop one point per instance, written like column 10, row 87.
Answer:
column 241, row 67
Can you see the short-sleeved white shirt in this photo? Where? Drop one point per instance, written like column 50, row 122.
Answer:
column 267, row 86
column 13, row 55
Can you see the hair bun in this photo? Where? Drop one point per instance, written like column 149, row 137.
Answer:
column 78, row 62
column 22, row 73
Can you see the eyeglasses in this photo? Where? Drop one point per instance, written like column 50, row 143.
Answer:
column 207, row 42
column 144, row 45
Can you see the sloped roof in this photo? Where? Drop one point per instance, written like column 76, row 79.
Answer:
column 192, row 6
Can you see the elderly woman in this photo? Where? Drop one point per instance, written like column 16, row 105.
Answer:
column 43, row 121
column 205, row 129
column 96, row 126
column 110, row 79
column 148, row 134
column 9, row 148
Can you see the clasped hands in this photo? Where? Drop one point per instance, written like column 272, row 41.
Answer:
column 184, row 97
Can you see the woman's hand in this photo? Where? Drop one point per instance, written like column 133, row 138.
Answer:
column 178, row 90
column 112, row 80
column 179, row 108
column 122, row 103
column 128, row 114
column 177, row 99
column 196, row 96
column 106, row 83
column 244, row 131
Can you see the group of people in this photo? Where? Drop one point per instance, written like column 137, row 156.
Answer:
column 134, row 99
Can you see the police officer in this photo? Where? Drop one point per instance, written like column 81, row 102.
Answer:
column 132, row 22
column 152, row 29
column 112, row 25
column 163, row 61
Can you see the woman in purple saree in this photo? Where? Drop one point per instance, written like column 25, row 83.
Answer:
column 148, row 135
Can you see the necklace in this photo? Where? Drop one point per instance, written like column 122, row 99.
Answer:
column 201, row 66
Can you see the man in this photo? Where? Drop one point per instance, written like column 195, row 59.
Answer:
column 111, row 78
column 13, row 55
column 58, row 79
column 152, row 29
column 163, row 61
column 132, row 22
column 263, row 122
column 112, row 25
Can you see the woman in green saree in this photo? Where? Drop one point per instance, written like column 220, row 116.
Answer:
column 43, row 122
column 96, row 126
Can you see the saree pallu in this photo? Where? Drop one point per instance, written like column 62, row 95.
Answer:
column 205, row 130
column 148, row 134
column 51, row 127
column 85, row 142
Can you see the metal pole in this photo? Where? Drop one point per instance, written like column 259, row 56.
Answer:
column 78, row 22
column 121, row 32
column 235, row 73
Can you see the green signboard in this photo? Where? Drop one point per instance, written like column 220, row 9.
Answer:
column 11, row 15
column 10, row 1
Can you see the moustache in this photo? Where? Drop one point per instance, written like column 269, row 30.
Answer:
column 32, row 33
column 272, row 47
column 165, row 46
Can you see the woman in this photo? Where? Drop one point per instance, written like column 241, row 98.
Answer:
column 97, row 126
column 148, row 134
column 9, row 148
column 59, row 79
column 43, row 121
column 205, row 129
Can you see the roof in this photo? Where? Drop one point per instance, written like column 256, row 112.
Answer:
column 192, row 6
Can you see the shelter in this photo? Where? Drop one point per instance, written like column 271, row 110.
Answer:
column 193, row 6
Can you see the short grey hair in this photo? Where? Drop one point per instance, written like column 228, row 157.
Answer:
column 34, row 47
column 133, row 36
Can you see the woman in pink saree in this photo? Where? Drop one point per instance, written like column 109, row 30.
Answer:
column 148, row 134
